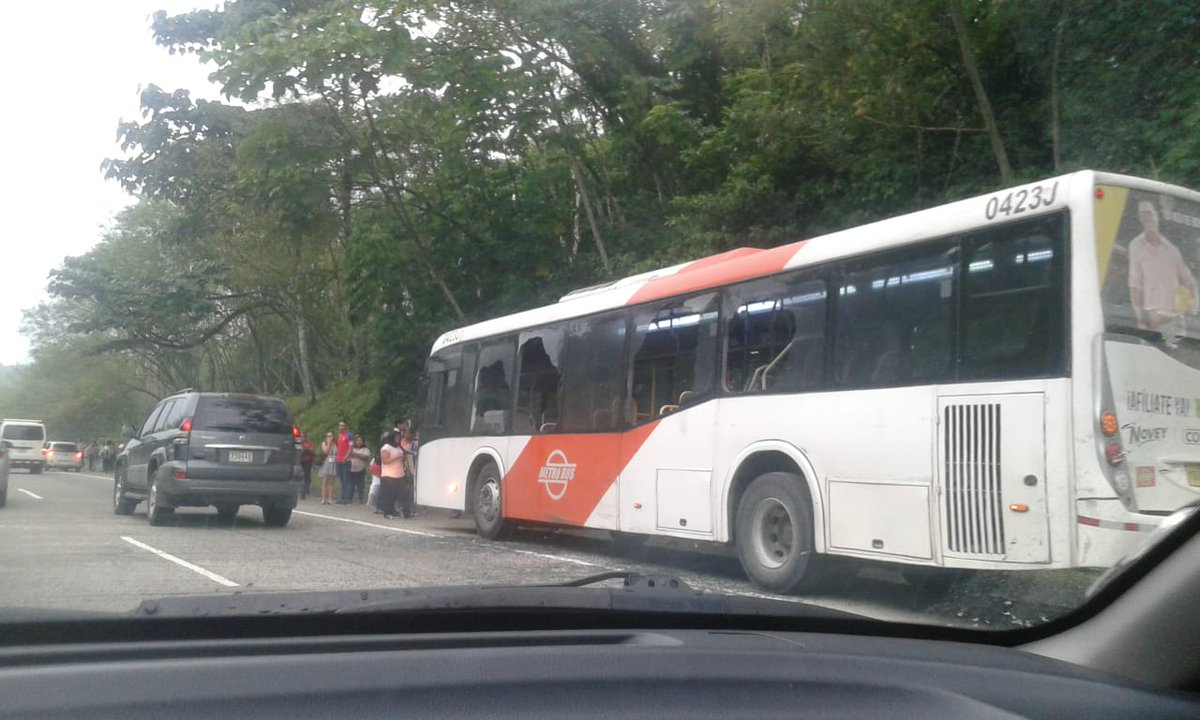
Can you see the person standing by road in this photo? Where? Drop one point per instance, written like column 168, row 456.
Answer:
column 407, row 484
column 307, row 456
column 328, row 468
column 360, row 458
column 107, row 454
column 90, row 453
column 345, row 439
column 391, row 466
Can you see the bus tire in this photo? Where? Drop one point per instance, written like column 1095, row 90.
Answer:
column 773, row 531
column 487, row 506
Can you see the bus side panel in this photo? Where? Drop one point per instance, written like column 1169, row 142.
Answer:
column 445, row 463
column 667, row 486
column 859, row 438
column 570, row 479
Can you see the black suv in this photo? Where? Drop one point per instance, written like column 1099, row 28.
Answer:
column 198, row 449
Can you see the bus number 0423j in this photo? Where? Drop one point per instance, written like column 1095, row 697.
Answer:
column 1020, row 201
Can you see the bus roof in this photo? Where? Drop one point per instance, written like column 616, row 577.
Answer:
column 747, row 263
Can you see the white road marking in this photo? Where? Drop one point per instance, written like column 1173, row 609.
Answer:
column 98, row 477
column 32, row 495
column 393, row 528
column 181, row 562
column 558, row 558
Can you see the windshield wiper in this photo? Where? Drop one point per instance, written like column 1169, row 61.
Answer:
column 637, row 593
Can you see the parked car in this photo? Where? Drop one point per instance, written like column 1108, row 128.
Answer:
column 198, row 449
column 62, row 455
column 26, row 438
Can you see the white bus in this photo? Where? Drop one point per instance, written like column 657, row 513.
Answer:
column 1006, row 382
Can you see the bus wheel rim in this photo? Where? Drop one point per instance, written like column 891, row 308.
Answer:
column 489, row 500
column 773, row 533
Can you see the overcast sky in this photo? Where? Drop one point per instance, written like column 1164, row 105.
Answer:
column 71, row 75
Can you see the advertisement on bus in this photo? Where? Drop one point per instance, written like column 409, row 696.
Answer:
column 1149, row 252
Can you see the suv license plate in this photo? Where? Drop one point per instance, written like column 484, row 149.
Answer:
column 241, row 456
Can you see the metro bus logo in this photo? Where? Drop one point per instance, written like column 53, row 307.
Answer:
column 556, row 474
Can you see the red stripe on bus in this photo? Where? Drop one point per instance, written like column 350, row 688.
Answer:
column 718, row 270
column 562, row 478
column 1113, row 524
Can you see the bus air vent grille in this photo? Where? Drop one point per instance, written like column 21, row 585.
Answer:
column 973, row 504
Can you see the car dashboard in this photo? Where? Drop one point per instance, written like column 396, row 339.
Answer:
column 634, row 673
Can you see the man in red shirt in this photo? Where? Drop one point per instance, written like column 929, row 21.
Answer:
column 344, row 440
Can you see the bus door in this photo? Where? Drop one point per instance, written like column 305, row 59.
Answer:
column 991, row 456
column 668, row 452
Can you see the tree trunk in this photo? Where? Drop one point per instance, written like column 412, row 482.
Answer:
column 302, row 360
column 591, row 216
column 1055, row 125
column 981, row 98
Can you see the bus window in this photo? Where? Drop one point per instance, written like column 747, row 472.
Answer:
column 440, row 389
column 493, row 396
column 673, row 353
column 776, row 336
column 538, row 381
column 593, row 377
column 1013, row 313
column 894, row 319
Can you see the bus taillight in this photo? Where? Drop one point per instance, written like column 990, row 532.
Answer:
column 1108, row 423
column 1114, row 453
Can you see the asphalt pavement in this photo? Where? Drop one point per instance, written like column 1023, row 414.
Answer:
column 61, row 546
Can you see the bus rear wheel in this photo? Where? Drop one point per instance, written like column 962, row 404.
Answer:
column 487, row 506
column 774, row 533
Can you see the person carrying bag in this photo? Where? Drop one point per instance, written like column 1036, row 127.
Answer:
column 391, row 467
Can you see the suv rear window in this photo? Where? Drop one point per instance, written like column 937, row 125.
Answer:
column 24, row 432
column 64, row 447
column 243, row 414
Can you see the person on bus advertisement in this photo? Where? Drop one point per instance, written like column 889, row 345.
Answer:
column 345, row 439
column 1162, row 288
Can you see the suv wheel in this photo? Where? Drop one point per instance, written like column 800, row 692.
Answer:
column 156, row 512
column 275, row 516
column 121, row 504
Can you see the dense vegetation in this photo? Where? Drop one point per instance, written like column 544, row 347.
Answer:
column 384, row 171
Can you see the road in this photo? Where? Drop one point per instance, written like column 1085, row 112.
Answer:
column 61, row 546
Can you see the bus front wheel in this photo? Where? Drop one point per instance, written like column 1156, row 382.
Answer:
column 488, row 510
column 774, row 532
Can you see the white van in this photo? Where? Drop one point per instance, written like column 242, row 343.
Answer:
column 26, row 438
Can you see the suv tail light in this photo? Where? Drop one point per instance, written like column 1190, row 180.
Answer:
column 178, row 449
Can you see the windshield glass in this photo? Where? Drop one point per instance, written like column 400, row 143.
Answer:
column 854, row 303
column 23, row 432
column 247, row 414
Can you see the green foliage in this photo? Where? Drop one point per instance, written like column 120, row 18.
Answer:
column 360, row 405
column 399, row 168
